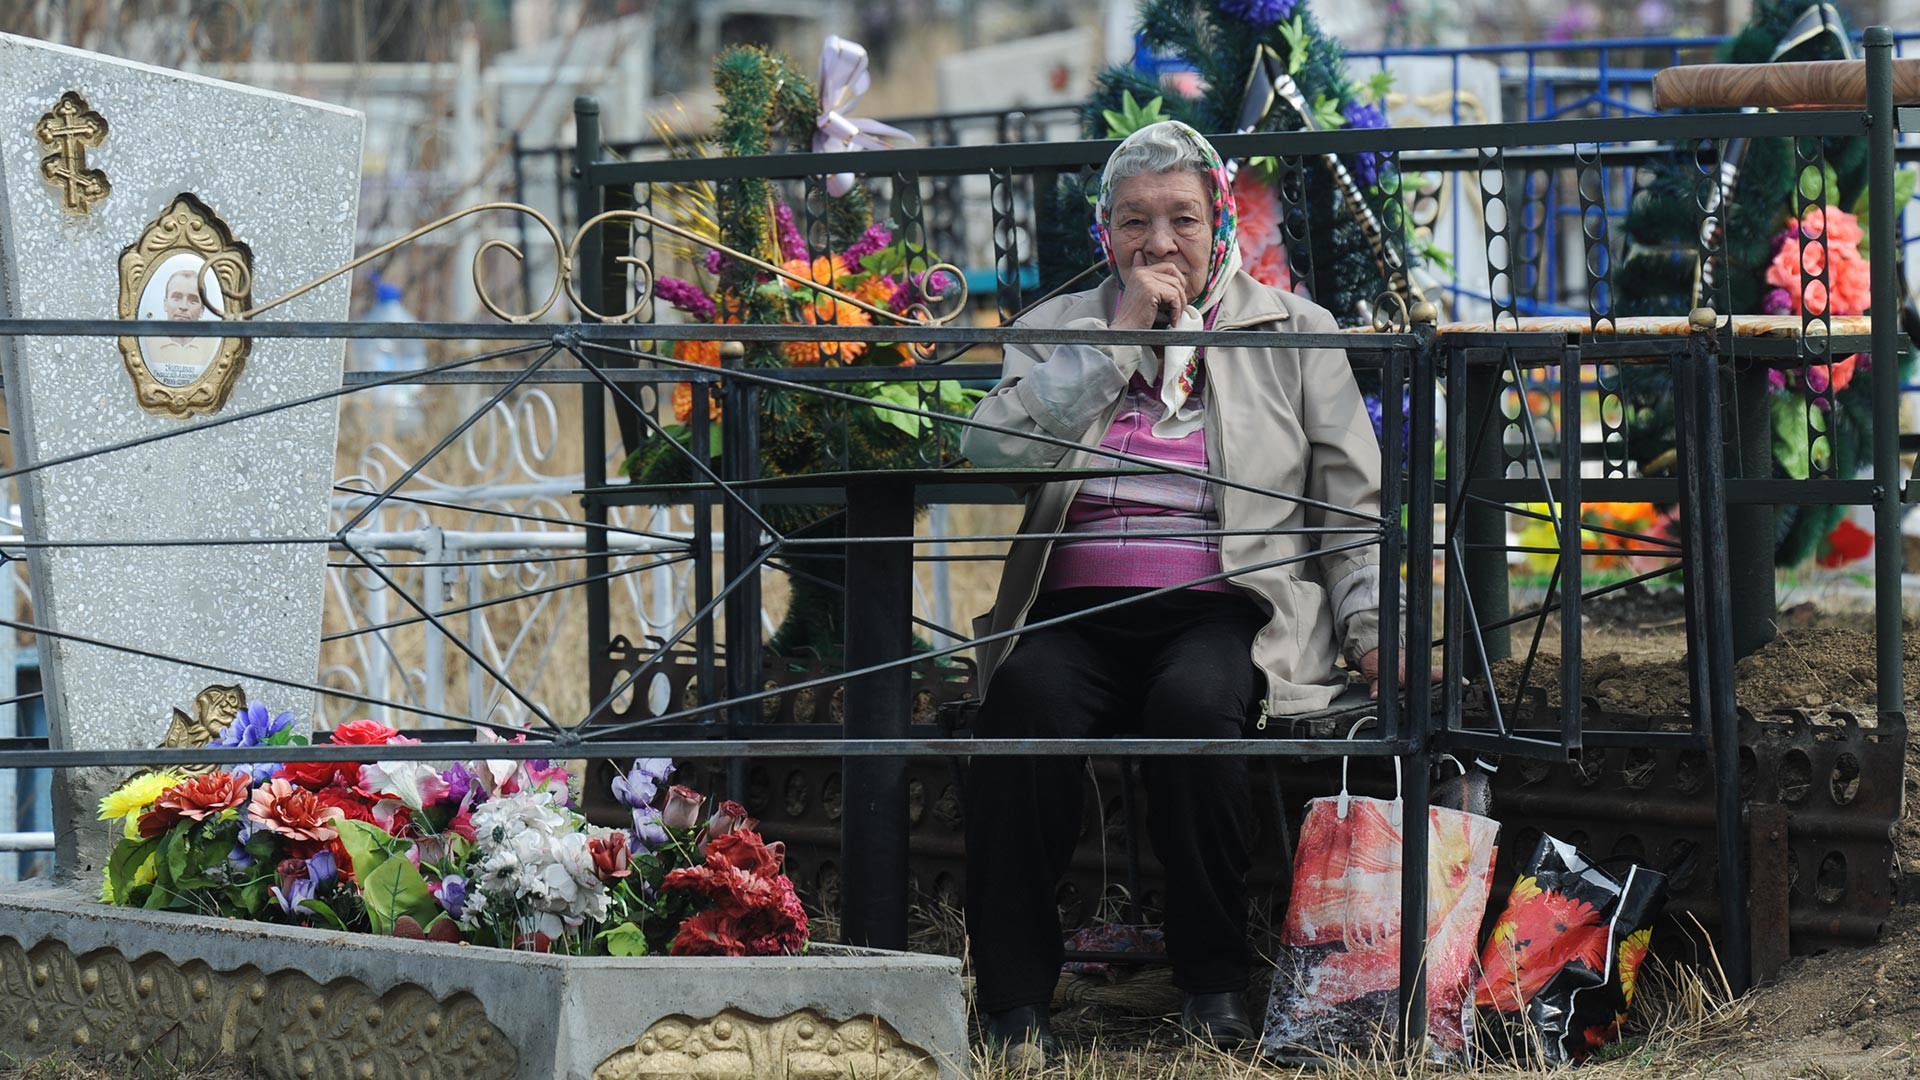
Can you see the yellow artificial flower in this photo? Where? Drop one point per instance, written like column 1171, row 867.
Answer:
column 136, row 795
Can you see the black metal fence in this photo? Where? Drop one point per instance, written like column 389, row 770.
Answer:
column 1448, row 530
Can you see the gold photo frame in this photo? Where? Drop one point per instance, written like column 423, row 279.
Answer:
column 186, row 266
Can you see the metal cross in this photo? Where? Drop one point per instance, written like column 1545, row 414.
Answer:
column 68, row 129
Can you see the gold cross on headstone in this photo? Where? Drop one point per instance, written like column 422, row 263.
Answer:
column 68, row 129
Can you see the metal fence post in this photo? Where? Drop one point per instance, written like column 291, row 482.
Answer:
column 1887, row 553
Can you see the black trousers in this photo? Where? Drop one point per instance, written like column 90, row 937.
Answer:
column 1176, row 666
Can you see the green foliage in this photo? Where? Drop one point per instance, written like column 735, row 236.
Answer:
column 625, row 939
column 1658, row 274
column 1132, row 115
column 390, row 884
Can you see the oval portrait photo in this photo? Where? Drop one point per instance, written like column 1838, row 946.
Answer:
column 183, row 289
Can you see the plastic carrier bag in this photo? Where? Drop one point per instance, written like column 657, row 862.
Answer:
column 1337, row 983
column 1559, row 968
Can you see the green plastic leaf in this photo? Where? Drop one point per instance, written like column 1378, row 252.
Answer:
column 1904, row 182
column 904, row 396
column 393, row 890
column 253, row 895
column 369, row 846
column 325, row 911
column 125, row 862
column 1379, row 86
column 1326, row 113
column 175, row 862
column 1790, row 447
column 1295, row 34
column 1132, row 115
column 625, row 940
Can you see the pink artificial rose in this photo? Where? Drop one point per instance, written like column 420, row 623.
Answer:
column 683, row 808
column 729, row 817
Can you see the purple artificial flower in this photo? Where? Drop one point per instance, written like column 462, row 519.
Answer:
column 257, row 773
column 907, row 293
column 640, row 783
column 1777, row 301
column 792, row 244
column 240, row 858
column 321, row 867
column 686, row 296
column 460, row 783
column 876, row 237
column 649, row 832
column 253, row 726
column 717, row 262
column 1259, row 12
column 452, row 895
column 1361, row 115
column 297, row 890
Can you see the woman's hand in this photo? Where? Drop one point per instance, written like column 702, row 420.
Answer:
column 1151, row 288
column 1370, row 671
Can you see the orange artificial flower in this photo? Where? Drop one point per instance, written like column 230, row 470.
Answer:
column 826, row 311
column 706, row 354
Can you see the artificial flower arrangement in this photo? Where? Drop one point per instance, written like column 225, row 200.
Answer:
column 874, row 267
column 486, row 851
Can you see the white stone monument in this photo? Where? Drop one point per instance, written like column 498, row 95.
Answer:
column 132, row 192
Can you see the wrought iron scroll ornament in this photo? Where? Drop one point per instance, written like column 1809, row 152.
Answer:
column 69, row 129
column 193, row 375
column 566, row 267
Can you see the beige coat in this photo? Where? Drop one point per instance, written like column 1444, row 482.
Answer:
column 1280, row 419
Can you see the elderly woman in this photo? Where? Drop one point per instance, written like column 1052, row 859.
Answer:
column 1215, row 649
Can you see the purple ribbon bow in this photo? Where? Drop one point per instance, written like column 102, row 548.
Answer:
column 843, row 78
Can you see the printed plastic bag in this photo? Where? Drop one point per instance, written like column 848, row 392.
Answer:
column 1337, row 987
column 1558, row 970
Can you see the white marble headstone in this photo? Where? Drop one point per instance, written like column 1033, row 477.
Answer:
column 283, row 174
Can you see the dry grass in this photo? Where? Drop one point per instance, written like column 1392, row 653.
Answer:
column 1686, row 1027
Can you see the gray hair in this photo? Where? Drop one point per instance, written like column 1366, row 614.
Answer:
column 1157, row 148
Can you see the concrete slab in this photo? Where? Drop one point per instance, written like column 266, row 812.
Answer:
column 79, row 975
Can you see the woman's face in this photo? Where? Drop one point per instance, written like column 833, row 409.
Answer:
column 1163, row 218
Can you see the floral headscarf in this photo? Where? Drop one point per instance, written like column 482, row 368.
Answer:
column 1223, row 261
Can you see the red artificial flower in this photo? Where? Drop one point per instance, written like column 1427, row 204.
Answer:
column 363, row 733
column 351, row 802
column 461, row 825
column 292, row 812
column 158, row 820
column 743, row 849
column 708, row 933
column 315, row 775
column 610, row 854
column 1844, row 544
column 199, row 797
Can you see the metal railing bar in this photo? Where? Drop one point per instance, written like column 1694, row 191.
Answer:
column 458, row 642
column 446, row 440
column 961, row 646
column 496, row 601
column 275, row 680
column 1050, row 440
column 208, row 424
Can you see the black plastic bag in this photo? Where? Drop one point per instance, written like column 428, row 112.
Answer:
column 1559, row 969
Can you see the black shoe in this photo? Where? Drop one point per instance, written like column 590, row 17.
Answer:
column 1022, row 1035
column 1220, row 1019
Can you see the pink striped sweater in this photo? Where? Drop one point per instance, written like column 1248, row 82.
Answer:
column 1110, row 513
